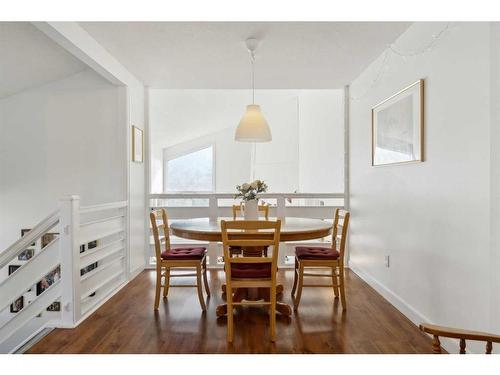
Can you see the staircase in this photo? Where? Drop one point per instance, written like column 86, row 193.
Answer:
column 68, row 278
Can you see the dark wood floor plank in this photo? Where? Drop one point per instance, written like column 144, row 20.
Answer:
column 128, row 324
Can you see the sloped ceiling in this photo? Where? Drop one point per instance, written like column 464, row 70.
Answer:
column 30, row 59
column 212, row 55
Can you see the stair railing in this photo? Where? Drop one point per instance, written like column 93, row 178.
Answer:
column 67, row 271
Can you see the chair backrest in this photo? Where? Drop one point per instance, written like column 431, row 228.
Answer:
column 161, row 233
column 262, row 208
column 461, row 334
column 339, row 233
column 251, row 233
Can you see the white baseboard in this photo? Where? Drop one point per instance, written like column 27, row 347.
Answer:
column 133, row 274
column 416, row 317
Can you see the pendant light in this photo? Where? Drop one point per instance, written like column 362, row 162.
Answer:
column 253, row 126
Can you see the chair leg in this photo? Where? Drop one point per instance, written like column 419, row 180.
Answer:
column 158, row 287
column 272, row 313
column 299, row 287
column 295, row 276
column 167, row 283
column 342, row 288
column 205, row 280
column 229, row 301
column 335, row 282
column 199, row 287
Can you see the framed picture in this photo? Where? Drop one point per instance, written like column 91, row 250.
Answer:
column 48, row 238
column 137, row 144
column 90, row 267
column 87, row 269
column 55, row 306
column 17, row 305
column 13, row 268
column 23, row 232
column 26, row 254
column 398, row 127
column 48, row 280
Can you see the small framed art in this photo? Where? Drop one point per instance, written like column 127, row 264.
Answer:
column 137, row 144
column 49, row 279
column 26, row 254
column 17, row 305
column 55, row 306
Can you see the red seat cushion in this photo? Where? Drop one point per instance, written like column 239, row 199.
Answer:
column 184, row 253
column 251, row 270
column 316, row 253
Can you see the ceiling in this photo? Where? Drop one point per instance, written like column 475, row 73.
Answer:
column 212, row 55
column 30, row 59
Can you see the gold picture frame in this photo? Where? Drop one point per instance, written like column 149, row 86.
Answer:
column 137, row 144
column 398, row 127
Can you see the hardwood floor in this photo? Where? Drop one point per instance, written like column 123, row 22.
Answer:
column 128, row 324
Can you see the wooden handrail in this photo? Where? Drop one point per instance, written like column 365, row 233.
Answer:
column 456, row 333
column 461, row 334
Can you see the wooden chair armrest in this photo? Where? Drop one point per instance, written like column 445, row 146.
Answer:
column 458, row 333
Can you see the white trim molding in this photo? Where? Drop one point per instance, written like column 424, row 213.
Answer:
column 416, row 317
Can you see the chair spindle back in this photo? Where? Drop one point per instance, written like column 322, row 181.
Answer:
column 339, row 233
column 161, row 233
column 250, row 233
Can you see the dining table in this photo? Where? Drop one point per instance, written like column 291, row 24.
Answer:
column 292, row 229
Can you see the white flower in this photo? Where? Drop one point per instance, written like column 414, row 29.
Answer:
column 245, row 186
column 254, row 184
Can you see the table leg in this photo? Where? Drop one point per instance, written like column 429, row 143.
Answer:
column 259, row 294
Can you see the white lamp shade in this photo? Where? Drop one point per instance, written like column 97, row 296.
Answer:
column 253, row 126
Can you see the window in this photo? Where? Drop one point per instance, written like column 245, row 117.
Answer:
column 191, row 172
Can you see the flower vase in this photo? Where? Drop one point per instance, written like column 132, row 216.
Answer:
column 251, row 210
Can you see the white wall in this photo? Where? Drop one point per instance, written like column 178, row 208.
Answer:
column 432, row 218
column 137, row 183
column 495, row 177
column 61, row 138
column 321, row 148
column 76, row 40
column 307, row 119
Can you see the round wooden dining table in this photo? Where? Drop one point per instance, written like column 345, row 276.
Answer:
column 292, row 229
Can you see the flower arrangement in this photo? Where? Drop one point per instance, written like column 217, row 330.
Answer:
column 249, row 191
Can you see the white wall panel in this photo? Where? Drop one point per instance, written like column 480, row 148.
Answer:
column 432, row 218
column 59, row 139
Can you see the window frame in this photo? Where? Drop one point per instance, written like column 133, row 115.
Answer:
column 168, row 155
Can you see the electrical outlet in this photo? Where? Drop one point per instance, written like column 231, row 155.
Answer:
column 387, row 261
column 289, row 259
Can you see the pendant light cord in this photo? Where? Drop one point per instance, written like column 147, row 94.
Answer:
column 252, row 60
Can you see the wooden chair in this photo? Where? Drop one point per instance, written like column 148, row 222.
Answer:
column 237, row 211
column 262, row 208
column 250, row 272
column 324, row 257
column 171, row 258
column 438, row 331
